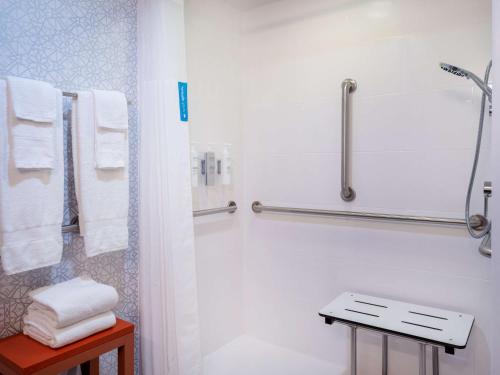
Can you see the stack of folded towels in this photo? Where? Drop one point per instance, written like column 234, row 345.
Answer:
column 70, row 311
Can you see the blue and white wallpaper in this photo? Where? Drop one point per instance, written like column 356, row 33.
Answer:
column 75, row 45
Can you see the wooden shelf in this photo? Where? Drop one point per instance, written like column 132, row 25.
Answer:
column 20, row 354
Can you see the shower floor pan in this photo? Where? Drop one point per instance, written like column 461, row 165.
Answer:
column 249, row 356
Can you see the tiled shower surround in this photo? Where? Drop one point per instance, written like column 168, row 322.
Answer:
column 75, row 45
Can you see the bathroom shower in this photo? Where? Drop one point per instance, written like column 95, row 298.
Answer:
column 478, row 225
column 483, row 85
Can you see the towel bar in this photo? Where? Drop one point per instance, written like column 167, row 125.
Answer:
column 230, row 208
column 74, row 95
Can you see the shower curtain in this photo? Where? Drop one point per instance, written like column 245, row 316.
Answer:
column 170, row 342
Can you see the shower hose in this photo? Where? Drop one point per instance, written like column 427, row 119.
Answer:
column 485, row 232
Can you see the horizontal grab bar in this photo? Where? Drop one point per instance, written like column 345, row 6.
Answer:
column 230, row 208
column 258, row 207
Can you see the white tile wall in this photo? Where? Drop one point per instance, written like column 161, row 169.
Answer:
column 496, row 180
column 213, row 75
column 266, row 77
column 414, row 130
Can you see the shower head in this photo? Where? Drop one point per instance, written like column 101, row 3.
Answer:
column 454, row 70
column 469, row 75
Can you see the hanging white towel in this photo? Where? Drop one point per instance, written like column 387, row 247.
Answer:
column 32, row 100
column 102, row 194
column 110, row 148
column 41, row 331
column 33, row 145
column 111, row 121
column 31, row 201
column 110, row 109
column 33, row 106
column 71, row 301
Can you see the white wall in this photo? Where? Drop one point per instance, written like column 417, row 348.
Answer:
column 496, row 182
column 413, row 139
column 213, row 75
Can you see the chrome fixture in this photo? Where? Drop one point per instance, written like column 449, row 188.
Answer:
column 385, row 354
column 258, row 207
column 209, row 168
column 482, row 231
column 435, row 360
column 422, row 366
column 74, row 95
column 230, row 209
column 485, row 246
column 347, row 192
column 354, row 350
column 483, row 85
column 71, row 228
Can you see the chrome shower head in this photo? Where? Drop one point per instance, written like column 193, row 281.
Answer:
column 469, row 75
column 453, row 70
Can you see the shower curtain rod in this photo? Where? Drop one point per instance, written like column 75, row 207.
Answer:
column 230, row 209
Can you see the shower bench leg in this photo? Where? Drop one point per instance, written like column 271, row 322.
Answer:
column 422, row 360
column 435, row 360
column 353, row 350
column 385, row 355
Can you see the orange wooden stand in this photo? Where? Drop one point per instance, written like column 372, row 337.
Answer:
column 20, row 354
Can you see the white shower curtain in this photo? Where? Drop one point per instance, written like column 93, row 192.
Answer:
column 170, row 342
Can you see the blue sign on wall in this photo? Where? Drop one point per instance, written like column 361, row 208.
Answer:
column 183, row 101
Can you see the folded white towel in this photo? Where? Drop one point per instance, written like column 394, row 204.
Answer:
column 71, row 301
column 33, row 145
column 102, row 194
column 110, row 109
column 31, row 202
column 39, row 330
column 33, row 100
column 33, row 107
column 110, row 148
column 111, row 122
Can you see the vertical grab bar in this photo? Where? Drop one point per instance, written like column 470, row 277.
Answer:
column 347, row 193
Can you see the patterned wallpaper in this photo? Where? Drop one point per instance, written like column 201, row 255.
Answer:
column 75, row 45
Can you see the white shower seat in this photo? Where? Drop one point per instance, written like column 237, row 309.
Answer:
column 422, row 324
column 249, row 356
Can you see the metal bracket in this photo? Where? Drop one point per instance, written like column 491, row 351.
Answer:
column 487, row 189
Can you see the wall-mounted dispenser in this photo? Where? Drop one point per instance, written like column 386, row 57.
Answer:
column 227, row 165
column 195, row 165
column 210, row 168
